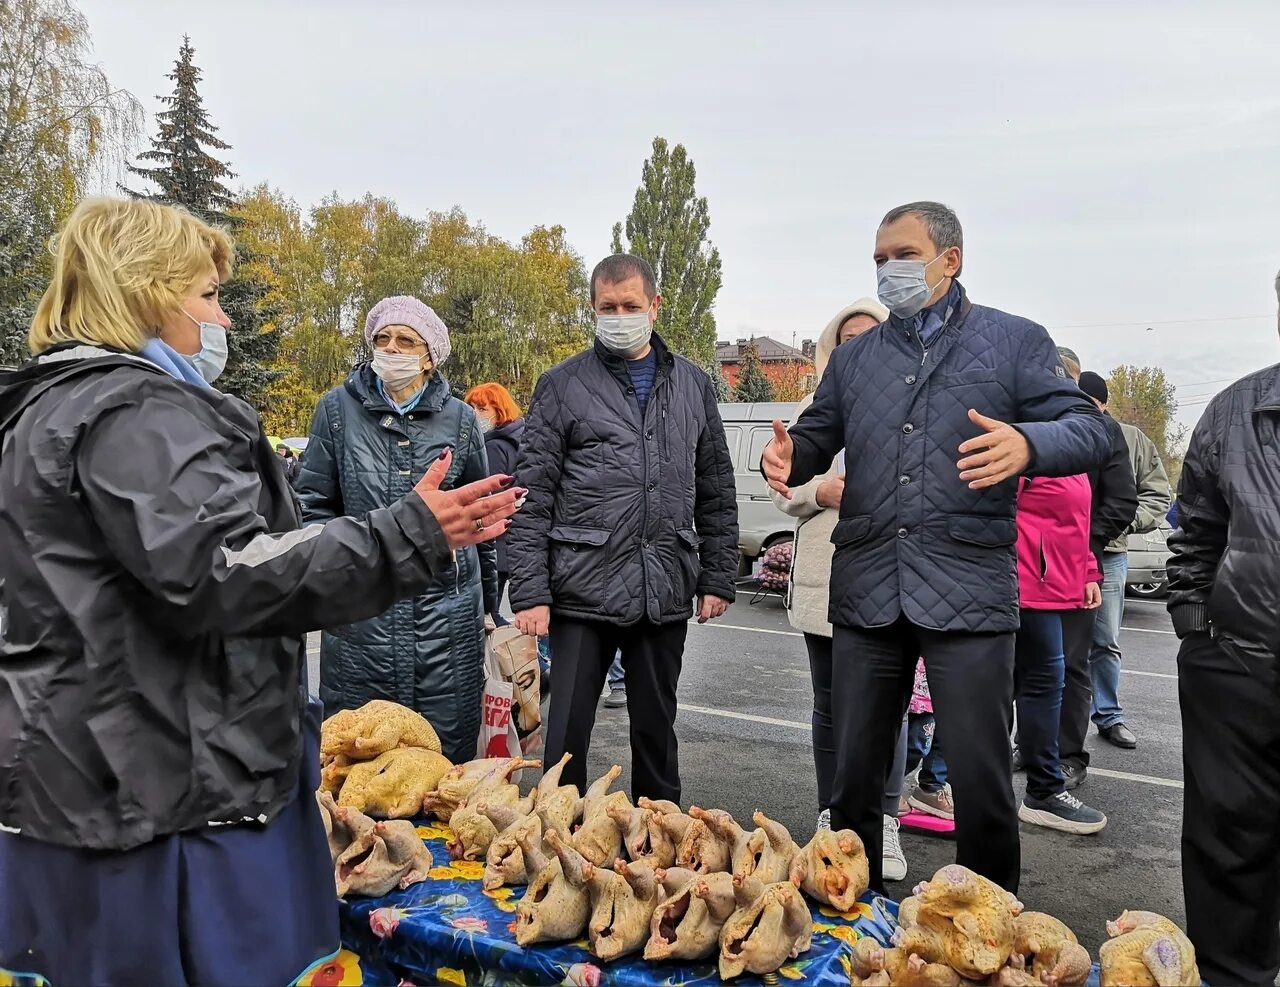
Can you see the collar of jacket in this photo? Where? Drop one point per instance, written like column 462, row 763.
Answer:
column 362, row 383
column 618, row 365
column 1269, row 399
column 959, row 312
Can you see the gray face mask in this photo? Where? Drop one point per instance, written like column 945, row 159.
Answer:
column 212, row 358
column 903, row 287
column 625, row 335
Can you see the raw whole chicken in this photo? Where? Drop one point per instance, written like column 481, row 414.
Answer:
column 1146, row 950
column 875, row 966
column 598, row 838
column 622, row 905
column 375, row 728
column 504, row 860
column 390, row 856
column 472, row 830
column 333, row 773
column 342, row 826
column 558, row 804
column 1050, row 951
column 643, row 836
column 392, row 785
column 687, row 922
column 709, row 841
column 458, row 782
column 772, row 923
column 557, row 904
column 961, row 919
column 767, row 852
column 833, row 869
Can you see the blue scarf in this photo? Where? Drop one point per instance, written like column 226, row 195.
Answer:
column 173, row 363
column 408, row 405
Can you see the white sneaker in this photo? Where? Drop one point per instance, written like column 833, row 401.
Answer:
column 894, row 861
column 824, row 819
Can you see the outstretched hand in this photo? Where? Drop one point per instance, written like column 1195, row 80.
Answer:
column 468, row 515
column 776, row 460
column 999, row 453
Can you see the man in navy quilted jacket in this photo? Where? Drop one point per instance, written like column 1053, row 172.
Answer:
column 939, row 410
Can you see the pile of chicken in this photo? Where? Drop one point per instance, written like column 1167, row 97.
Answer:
column 960, row 928
column 645, row 877
column 377, row 761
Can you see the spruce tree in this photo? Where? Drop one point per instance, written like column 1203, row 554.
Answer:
column 187, row 174
column 753, row 385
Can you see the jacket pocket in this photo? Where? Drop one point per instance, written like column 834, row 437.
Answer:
column 576, row 535
column 850, row 531
column 580, row 567
column 985, row 532
column 690, row 563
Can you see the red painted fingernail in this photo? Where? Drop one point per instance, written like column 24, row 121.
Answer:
column 442, row 455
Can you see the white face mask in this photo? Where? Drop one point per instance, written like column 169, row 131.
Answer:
column 902, row 286
column 397, row 370
column 485, row 423
column 212, row 358
column 625, row 335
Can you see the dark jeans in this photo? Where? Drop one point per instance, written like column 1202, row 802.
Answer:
column 651, row 658
column 971, row 681
column 924, row 750
column 1077, row 693
column 1231, row 811
column 824, row 744
column 1038, row 681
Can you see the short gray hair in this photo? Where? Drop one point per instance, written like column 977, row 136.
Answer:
column 940, row 220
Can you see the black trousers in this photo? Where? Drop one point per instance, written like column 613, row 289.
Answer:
column 1231, row 811
column 581, row 653
column 1077, row 695
column 971, row 683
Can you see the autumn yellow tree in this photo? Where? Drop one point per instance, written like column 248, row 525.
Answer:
column 1143, row 396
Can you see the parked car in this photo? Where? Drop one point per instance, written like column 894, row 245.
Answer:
column 747, row 430
column 1148, row 556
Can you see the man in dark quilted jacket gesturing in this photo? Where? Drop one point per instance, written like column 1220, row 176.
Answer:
column 631, row 516
column 939, row 410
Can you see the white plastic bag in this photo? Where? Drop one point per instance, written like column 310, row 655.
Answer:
column 510, row 718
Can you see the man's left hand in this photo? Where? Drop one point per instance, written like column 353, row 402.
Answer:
column 711, row 607
column 997, row 455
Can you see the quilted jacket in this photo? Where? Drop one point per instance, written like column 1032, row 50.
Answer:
column 1224, row 575
column 913, row 539
column 502, row 446
column 626, row 519
column 426, row 653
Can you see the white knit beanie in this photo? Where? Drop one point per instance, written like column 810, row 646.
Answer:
column 405, row 310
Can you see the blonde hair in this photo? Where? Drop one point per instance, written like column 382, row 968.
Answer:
column 120, row 269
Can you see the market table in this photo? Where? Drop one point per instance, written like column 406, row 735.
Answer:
column 449, row 930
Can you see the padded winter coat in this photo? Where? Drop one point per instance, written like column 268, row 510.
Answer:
column 502, row 446
column 426, row 653
column 1054, row 560
column 1224, row 576
column 913, row 539
column 627, row 517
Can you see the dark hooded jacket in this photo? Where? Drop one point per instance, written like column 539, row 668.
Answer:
column 156, row 585
column 502, row 446
column 426, row 653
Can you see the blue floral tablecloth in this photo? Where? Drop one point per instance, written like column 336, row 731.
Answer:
column 448, row 930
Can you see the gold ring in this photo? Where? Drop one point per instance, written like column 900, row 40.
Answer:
column 479, row 524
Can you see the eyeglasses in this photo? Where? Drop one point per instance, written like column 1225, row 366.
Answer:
column 405, row 343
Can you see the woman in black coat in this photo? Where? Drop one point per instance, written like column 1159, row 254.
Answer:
column 503, row 427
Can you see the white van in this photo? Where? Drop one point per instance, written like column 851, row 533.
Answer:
column 747, row 430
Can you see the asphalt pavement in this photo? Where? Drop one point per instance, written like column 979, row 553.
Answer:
column 744, row 745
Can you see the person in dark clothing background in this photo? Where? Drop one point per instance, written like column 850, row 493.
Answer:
column 632, row 513
column 499, row 419
column 1224, row 595
column 925, row 561
column 288, row 462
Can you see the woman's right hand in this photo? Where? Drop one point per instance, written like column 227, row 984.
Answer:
column 469, row 515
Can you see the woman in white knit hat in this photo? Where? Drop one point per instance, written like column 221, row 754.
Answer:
column 371, row 439
column 816, row 508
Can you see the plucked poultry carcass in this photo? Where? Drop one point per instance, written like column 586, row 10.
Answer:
column 598, row 838
column 559, row 805
column 961, row 919
column 458, row 782
column 643, row 837
column 504, row 860
column 375, row 728
column 1146, row 950
column 687, row 922
column 771, row 924
column 767, row 851
column 342, row 826
column 833, row 869
column 709, row 841
column 392, row 785
column 875, row 966
column 557, row 904
column 473, row 831
column 622, row 904
column 333, row 773
column 390, row 856
column 1048, row 951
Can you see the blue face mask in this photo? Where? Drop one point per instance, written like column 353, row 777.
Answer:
column 212, row 358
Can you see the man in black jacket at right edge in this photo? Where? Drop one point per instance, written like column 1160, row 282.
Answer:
column 1224, row 581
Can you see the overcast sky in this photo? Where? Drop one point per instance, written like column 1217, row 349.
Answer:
column 1116, row 166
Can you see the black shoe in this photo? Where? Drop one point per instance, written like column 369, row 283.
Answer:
column 1119, row 735
column 1018, row 764
column 1074, row 775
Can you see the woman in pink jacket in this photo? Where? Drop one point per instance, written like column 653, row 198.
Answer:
column 1056, row 572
